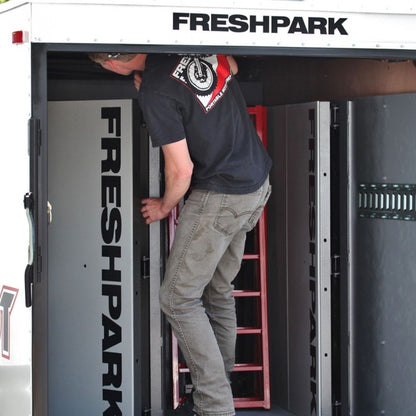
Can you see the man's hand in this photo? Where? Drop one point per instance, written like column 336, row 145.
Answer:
column 152, row 210
column 138, row 77
column 178, row 173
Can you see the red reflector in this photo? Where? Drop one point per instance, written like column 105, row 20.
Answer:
column 17, row 37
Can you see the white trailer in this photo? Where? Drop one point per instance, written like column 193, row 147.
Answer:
column 80, row 326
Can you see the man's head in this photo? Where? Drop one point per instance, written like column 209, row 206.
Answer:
column 121, row 63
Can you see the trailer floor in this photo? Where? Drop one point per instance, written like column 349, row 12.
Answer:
column 274, row 411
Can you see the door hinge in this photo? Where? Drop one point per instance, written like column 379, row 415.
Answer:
column 145, row 267
column 337, row 407
column 335, row 265
column 39, row 263
column 35, row 134
column 147, row 411
column 334, row 116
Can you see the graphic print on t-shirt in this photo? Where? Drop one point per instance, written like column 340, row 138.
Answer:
column 206, row 77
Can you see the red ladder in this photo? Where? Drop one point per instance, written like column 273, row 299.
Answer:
column 251, row 291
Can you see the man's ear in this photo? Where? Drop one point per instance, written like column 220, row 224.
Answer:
column 109, row 65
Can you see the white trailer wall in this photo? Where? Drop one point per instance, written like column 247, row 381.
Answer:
column 15, row 318
column 268, row 23
column 321, row 27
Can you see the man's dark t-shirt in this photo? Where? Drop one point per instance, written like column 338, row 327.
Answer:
column 197, row 98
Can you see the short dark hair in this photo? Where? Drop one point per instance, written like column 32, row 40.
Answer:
column 101, row 57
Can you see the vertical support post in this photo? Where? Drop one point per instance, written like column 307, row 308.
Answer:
column 323, row 238
column 155, row 277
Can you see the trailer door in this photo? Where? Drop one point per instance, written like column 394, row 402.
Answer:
column 301, row 230
column 383, row 283
column 95, row 248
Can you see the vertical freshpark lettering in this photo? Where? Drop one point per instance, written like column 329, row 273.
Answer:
column 111, row 275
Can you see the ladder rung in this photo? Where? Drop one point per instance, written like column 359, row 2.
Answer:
column 248, row 330
column 183, row 368
column 247, row 367
column 246, row 293
column 245, row 402
column 251, row 256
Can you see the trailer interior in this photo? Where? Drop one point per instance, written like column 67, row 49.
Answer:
column 367, row 245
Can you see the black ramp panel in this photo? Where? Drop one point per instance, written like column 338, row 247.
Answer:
column 383, row 256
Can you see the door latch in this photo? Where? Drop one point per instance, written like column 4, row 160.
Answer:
column 28, row 202
column 49, row 212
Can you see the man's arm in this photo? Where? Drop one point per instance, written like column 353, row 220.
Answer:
column 178, row 173
column 233, row 64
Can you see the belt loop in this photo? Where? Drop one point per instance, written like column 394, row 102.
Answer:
column 205, row 198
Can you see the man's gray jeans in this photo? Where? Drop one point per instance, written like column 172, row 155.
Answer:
column 196, row 294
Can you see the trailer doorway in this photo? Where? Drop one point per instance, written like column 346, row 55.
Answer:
column 277, row 83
